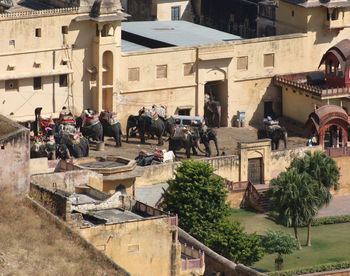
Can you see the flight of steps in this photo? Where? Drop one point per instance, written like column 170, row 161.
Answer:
column 263, row 203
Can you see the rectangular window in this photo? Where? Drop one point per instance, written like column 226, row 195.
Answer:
column 161, row 71
column 11, row 85
column 175, row 13
column 63, row 80
column 37, row 83
column 269, row 60
column 12, row 43
column 242, row 63
column 134, row 74
column 38, row 32
column 64, row 29
column 188, row 69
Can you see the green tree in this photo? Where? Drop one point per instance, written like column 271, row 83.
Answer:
column 199, row 199
column 230, row 241
column 325, row 172
column 292, row 196
column 280, row 243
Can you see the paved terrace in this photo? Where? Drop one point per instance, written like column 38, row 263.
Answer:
column 299, row 82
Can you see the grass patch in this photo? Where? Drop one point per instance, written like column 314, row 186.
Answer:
column 330, row 243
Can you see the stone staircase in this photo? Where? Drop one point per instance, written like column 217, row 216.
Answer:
column 255, row 197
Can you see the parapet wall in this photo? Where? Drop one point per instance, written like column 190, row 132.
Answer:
column 67, row 181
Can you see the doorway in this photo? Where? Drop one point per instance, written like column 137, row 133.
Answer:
column 255, row 170
column 216, row 91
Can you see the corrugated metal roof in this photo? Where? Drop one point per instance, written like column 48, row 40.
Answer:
column 128, row 46
column 177, row 33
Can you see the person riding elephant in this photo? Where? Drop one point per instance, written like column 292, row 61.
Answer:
column 212, row 111
column 275, row 133
column 43, row 147
column 151, row 125
column 111, row 126
column 183, row 138
column 90, row 125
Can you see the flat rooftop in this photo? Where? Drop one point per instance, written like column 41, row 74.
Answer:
column 112, row 216
column 128, row 46
column 151, row 194
column 172, row 33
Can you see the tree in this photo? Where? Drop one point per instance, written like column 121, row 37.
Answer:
column 292, row 196
column 325, row 172
column 280, row 243
column 199, row 199
column 230, row 241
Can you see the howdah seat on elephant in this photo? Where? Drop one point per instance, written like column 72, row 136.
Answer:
column 272, row 130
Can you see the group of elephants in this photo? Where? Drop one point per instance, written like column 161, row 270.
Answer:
column 69, row 135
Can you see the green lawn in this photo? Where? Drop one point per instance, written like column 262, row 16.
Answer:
column 330, row 243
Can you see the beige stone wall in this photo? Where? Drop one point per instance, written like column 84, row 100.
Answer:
column 131, row 240
column 289, row 22
column 235, row 199
column 344, row 181
column 109, row 186
column 14, row 161
column 68, row 180
column 298, row 104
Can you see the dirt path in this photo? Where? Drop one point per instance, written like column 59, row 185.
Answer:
column 228, row 137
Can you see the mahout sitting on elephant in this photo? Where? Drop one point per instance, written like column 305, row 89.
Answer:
column 90, row 125
column 111, row 126
column 212, row 111
column 190, row 138
column 273, row 131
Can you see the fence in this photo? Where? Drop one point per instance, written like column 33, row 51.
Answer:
column 187, row 264
column 28, row 14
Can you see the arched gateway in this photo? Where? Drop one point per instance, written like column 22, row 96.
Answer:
column 330, row 124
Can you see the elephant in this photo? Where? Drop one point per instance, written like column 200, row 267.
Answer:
column 190, row 140
column 132, row 123
column 277, row 134
column 90, row 125
column 212, row 112
column 207, row 135
column 111, row 127
column 169, row 125
column 41, row 148
column 152, row 126
column 77, row 145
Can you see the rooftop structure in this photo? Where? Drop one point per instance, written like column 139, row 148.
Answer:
column 156, row 34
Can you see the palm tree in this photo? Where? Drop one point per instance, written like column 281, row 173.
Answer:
column 292, row 196
column 325, row 172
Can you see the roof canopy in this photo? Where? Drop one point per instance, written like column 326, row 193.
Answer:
column 342, row 52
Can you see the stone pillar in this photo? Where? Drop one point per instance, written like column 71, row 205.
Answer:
column 200, row 99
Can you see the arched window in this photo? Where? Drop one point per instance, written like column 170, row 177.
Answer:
column 107, row 30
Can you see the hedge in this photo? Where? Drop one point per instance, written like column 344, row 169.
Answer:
column 312, row 269
column 321, row 220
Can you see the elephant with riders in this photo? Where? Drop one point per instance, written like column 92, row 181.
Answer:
column 272, row 130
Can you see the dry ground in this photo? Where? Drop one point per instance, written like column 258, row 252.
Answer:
column 30, row 245
column 228, row 137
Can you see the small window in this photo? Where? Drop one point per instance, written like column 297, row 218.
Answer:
column 63, row 80
column 38, row 32
column 292, row 13
column 335, row 14
column 64, row 29
column 269, row 60
column 11, row 85
column 134, row 74
column 175, row 13
column 161, row 71
column 188, row 69
column 37, row 83
column 12, row 43
column 242, row 63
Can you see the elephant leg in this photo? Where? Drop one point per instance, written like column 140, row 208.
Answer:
column 216, row 146
column 160, row 141
column 194, row 151
column 188, row 151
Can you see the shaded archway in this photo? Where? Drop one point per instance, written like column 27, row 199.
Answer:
column 107, row 80
column 329, row 124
